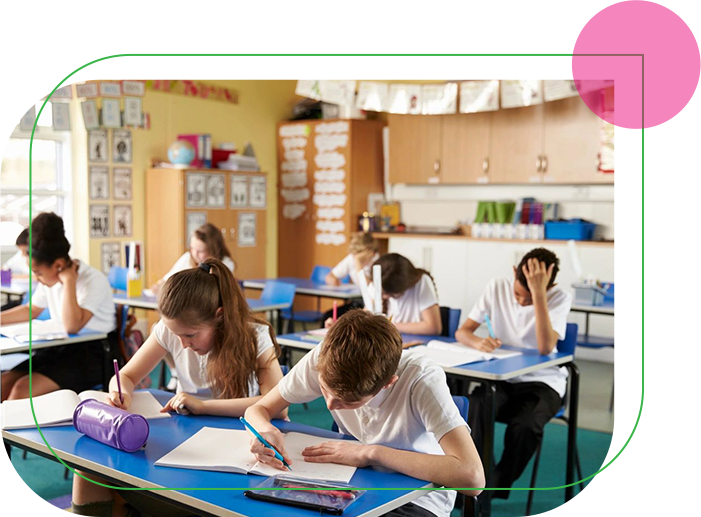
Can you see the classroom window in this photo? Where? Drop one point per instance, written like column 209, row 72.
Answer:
column 50, row 177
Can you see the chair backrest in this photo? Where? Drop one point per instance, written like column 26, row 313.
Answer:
column 568, row 344
column 450, row 318
column 276, row 292
column 285, row 369
column 610, row 291
column 319, row 274
column 117, row 277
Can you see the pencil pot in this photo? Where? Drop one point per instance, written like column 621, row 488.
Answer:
column 134, row 287
column 110, row 425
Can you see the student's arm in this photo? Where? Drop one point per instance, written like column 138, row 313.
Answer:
column 332, row 280
column 538, row 278
column 73, row 315
column 20, row 314
column 269, row 374
column 460, row 467
column 138, row 367
column 430, row 323
column 259, row 416
column 466, row 336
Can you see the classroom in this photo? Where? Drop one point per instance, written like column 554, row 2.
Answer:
column 414, row 280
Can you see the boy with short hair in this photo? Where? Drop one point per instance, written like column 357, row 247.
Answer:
column 528, row 311
column 397, row 405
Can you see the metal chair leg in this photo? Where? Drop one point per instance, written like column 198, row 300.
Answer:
column 533, row 478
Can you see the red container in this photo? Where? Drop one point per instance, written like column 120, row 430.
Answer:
column 220, row 155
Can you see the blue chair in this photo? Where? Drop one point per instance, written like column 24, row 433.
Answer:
column 567, row 346
column 45, row 314
column 275, row 292
column 450, row 319
column 117, row 277
column 318, row 276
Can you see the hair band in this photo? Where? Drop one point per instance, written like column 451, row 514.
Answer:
column 207, row 268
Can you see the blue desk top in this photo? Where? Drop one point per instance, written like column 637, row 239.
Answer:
column 497, row 369
column 306, row 286
column 9, row 345
column 137, row 469
column 151, row 302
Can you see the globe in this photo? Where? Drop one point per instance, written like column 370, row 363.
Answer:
column 181, row 152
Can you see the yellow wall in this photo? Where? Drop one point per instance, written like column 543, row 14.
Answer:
column 262, row 104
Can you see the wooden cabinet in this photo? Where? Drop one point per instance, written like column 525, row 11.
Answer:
column 465, row 149
column 517, row 144
column 168, row 208
column 327, row 168
column 415, row 148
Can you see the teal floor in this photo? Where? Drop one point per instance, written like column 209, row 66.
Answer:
column 45, row 477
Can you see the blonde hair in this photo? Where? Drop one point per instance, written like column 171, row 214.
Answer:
column 361, row 241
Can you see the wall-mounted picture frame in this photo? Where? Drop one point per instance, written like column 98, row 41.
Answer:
column 98, row 147
column 122, row 183
column 257, row 192
column 132, row 112
column 122, row 220
column 60, row 116
column 247, row 230
column 216, row 191
column 196, row 190
column 110, row 89
column 193, row 221
column 90, row 115
column 111, row 114
column 111, row 256
column 99, row 221
column 87, row 90
column 99, row 182
column 121, row 146
column 26, row 123
column 239, row 191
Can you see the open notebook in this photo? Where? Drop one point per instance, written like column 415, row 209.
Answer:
column 42, row 330
column 455, row 354
column 228, row 450
column 56, row 408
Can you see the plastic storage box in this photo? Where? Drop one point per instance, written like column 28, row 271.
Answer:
column 574, row 229
column 586, row 294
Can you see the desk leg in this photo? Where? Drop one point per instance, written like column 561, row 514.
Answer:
column 586, row 323
column 106, row 364
column 572, row 429
column 488, row 447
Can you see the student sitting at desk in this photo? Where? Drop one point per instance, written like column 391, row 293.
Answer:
column 220, row 350
column 77, row 295
column 206, row 242
column 397, row 405
column 529, row 311
column 409, row 296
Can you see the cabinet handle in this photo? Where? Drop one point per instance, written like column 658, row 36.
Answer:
column 544, row 164
column 232, row 231
column 485, row 165
column 538, row 164
column 436, row 166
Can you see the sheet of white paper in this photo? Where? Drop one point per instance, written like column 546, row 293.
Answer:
column 41, row 331
column 53, row 408
column 455, row 354
column 142, row 403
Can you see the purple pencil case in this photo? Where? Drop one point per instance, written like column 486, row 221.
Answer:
column 110, row 425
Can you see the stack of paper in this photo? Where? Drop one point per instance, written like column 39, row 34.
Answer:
column 44, row 330
column 455, row 354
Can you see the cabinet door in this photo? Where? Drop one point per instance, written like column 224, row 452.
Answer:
column 465, row 148
column 572, row 143
column 517, row 143
column 414, row 148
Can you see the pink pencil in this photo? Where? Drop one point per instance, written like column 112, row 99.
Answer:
column 335, row 310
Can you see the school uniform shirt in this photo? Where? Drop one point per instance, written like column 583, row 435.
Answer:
column 183, row 263
column 17, row 264
column 413, row 414
column 93, row 293
column 192, row 367
column 347, row 268
column 408, row 307
column 515, row 325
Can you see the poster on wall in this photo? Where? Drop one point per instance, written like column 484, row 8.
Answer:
column 122, row 221
column 132, row 111
column 257, row 196
column 122, row 183
column 87, row 90
column 121, row 146
column 111, row 256
column 239, row 191
column 194, row 221
column 405, row 99
column 517, row 94
column 372, row 96
column 90, row 118
column 61, row 119
column 247, row 230
column 26, row 123
column 216, row 191
column 99, row 182
column 99, row 221
column 195, row 188
column 476, row 96
column 97, row 146
column 111, row 113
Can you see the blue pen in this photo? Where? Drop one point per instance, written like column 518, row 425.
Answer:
column 489, row 326
column 264, row 442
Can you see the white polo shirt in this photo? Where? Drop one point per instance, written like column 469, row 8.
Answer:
column 17, row 264
column 413, row 414
column 347, row 268
column 93, row 293
column 408, row 307
column 515, row 325
column 184, row 263
column 192, row 367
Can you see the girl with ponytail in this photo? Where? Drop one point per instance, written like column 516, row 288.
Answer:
column 225, row 358
column 75, row 294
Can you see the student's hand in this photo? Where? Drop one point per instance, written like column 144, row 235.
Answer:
column 184, row 404
column 488, row 344
column 343, row 453
column 537, row 276
column 68, row 274
column 155, row 288
column 113, row 400
column 266, row 455
column 329, row 323
column 362, row 259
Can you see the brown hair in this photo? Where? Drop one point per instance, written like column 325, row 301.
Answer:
column 360, row 355
column 212, row 238
column 399, row 274
column 193, row 297
column 361, row 241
